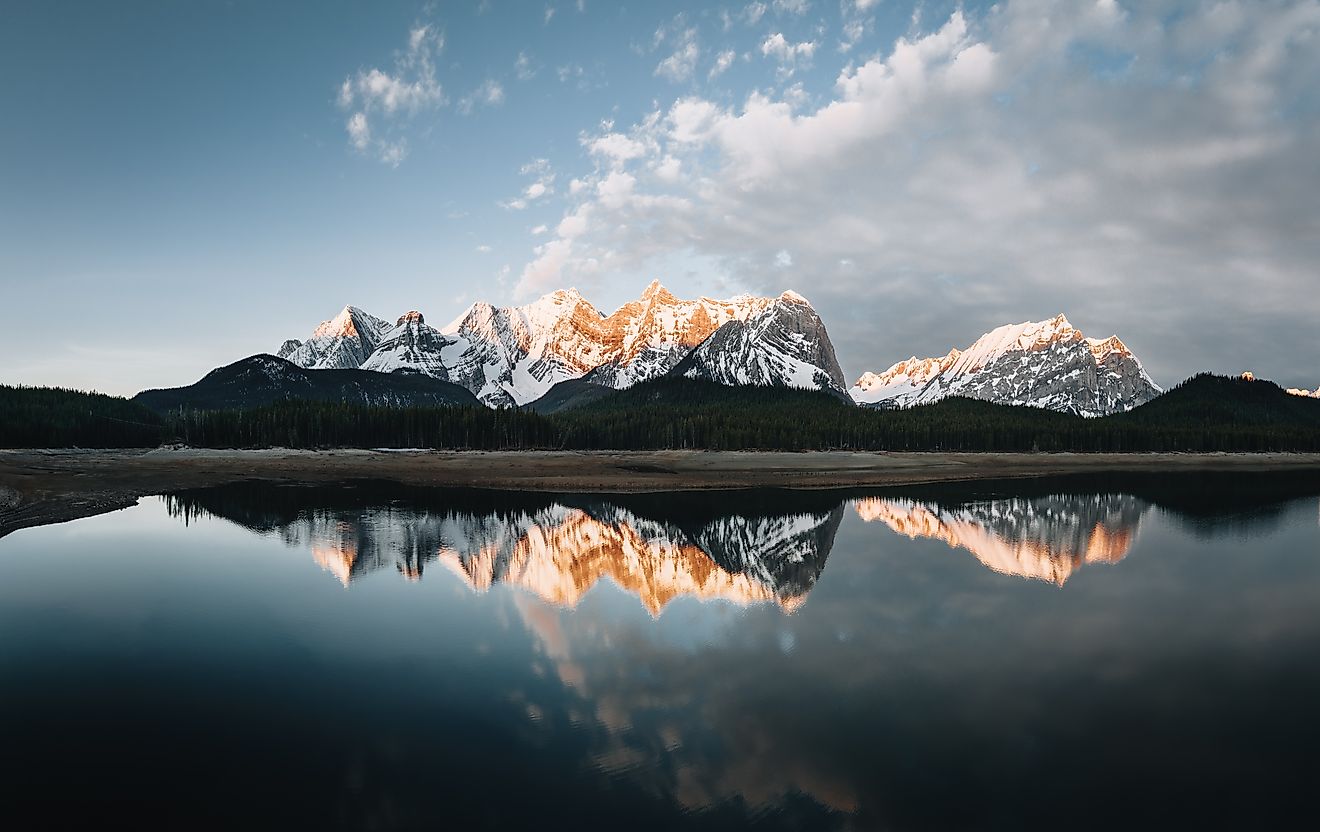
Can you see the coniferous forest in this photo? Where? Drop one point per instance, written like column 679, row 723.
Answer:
column 1204, row 414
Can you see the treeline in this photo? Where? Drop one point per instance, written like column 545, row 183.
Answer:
column 53, row 417
column 303, row 424
column 1204, row 414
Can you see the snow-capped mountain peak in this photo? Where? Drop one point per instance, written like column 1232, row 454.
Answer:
column 1102, row 348
column 1029, row 336
column 782, row 344
column 411, row 346
column 343, row 342
column 1048, row 364
column 655, row 289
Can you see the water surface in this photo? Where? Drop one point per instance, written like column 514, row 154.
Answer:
column 1077, row 653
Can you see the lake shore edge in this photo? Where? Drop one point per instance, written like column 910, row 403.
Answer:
column 42, row 486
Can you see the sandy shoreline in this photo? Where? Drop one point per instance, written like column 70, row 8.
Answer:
column 47, row 486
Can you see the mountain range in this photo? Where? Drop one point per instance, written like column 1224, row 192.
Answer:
column 512, row 356
column 1047, row 364
column 560, row 350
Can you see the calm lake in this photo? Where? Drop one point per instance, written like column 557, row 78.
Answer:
column 1126, row 651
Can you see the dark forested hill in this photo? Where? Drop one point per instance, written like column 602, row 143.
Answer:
column 265, row 379
column 1224, row 400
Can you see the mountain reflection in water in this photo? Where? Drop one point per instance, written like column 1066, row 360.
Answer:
column 1047, row 538
column 557, row 649
column 557, row 550
column 758, row 548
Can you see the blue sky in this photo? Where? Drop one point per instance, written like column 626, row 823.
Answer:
column 182, row 185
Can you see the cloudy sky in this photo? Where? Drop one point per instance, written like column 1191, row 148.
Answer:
column 182, row 185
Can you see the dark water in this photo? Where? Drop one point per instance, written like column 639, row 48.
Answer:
column 1072, row 653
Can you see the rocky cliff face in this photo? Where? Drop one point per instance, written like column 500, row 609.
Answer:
column 1047, row 364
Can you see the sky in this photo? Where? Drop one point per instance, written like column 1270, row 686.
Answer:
column 186, row 184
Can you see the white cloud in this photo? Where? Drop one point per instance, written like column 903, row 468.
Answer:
column 572, row 72
column 544, row 272
column 779, row 47
column 392, row 153
column 542, row 184
column 538, row 230
column 615, row 147
column 549, row 14
column 484, row 249
column 575, row 224
column 723, row 61
column 792, row 6
column 359, row 132
column 523, row 67
column 490, row 93
column 668, row 169
column 993, row 168
column 408, row 88
column 691, row 119
column 680, row 64
column 853, row 30
column 790, row 56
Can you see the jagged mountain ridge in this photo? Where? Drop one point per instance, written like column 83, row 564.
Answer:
column 508, row 356
column 1047, row 364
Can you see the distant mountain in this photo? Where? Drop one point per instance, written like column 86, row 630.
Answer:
column 341, row 343
column 648, row 337
column 264, row 379
column 512, row 355
column 1046, row 364
column 1312, row 394
column 783, row 345
column 508, row 356
column 411, row 346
